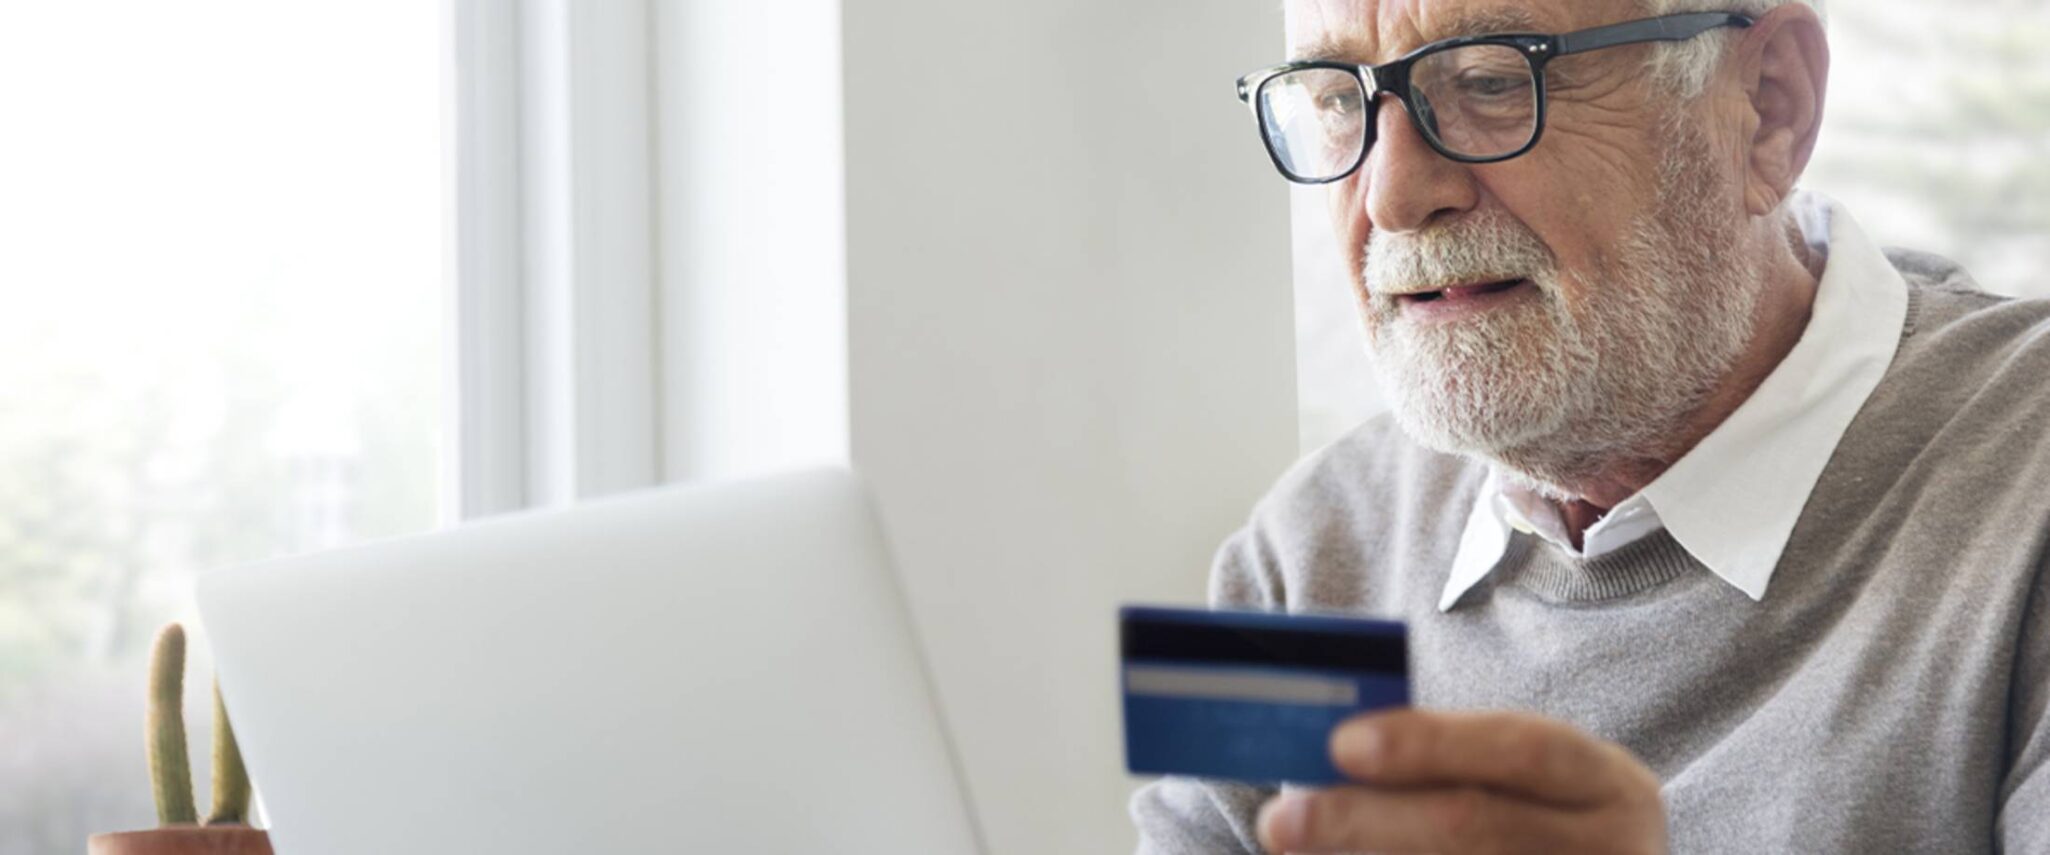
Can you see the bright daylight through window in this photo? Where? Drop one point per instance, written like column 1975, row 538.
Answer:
column 222, row 341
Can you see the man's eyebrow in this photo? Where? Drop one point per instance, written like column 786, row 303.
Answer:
column 1482, row 22
column 1329, row 48
column 1474, row 22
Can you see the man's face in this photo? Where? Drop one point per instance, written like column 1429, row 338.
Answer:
column 1553, row 309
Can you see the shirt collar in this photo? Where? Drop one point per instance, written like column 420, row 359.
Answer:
column 1481, row 545
column 1732, row 500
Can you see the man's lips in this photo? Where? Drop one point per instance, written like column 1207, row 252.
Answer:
column 1460, row 292
column 1460, row 302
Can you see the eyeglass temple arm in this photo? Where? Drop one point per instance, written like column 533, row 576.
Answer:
column 1251, row 82
column 1669, row 28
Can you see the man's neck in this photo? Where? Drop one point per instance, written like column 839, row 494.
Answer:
column 1578, row 515
column 1792, row 274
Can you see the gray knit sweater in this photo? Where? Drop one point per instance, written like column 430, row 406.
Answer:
column 1888, row 694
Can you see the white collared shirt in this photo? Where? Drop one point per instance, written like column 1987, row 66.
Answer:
column 1732, row 500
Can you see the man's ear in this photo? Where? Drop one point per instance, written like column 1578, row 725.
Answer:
column 1783, row 63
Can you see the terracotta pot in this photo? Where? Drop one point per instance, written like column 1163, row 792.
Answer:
column 186, row 840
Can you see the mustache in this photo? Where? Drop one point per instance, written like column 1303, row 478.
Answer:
column 1482, row 247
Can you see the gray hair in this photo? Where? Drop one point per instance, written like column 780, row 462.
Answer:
column 1685, row 67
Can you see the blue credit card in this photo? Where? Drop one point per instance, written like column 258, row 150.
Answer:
column 1251, row 696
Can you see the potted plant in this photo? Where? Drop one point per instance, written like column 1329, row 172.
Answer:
column 226, row 830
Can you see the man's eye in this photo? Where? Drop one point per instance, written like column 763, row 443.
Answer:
column 1338, row 103
column 1492, row 85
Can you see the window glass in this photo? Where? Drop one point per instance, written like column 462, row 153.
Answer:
column 221, row 267
column 1937, row 134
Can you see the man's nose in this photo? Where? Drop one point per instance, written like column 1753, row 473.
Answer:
column 1409, row 184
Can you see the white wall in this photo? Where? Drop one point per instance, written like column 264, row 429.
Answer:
column 751, row 216
column 1026, row 264
column 1335, row 384
column 1072, row 357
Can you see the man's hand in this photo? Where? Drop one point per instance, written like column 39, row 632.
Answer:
column 1472, row 782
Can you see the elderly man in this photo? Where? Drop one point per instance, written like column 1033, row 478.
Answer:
column 1716, row 527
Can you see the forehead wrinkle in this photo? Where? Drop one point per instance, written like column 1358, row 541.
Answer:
column 1481, row 22
column 1359, row 47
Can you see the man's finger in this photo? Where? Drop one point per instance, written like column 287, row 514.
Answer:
column 1538, row 758
column 1450, row 821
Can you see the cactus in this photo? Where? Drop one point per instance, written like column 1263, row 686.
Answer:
column 231, row 778
column 170, row 771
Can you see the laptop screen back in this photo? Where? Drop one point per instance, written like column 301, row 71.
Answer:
column 722, row 668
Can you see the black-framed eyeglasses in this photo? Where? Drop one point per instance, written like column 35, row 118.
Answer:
column 1477, row 99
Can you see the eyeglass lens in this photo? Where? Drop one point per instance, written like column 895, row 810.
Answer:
column 1476, row 102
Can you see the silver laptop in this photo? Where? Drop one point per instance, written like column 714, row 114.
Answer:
column 726, row 668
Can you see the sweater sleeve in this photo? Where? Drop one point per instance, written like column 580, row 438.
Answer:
column 2023, row 824
column 1187, row 816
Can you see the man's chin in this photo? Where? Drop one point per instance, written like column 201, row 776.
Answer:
column 1475, row 402
column 1472, row 405
column 1470, row 431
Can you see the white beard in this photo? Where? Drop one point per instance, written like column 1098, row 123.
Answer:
column 1554, row 394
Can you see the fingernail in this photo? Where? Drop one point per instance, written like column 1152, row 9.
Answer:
column 1361, row 745
column 1286, row 820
